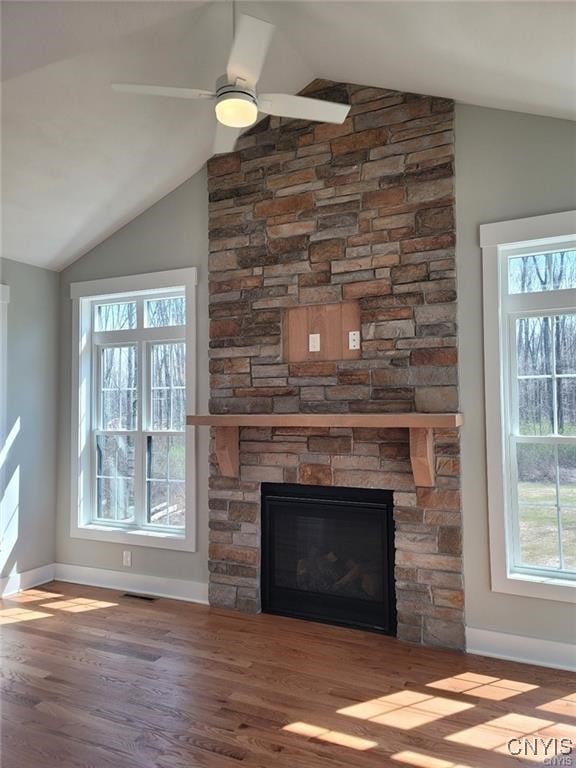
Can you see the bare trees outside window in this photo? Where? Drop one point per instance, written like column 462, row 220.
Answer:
column 140, row 447
column 133, row 477
column 544, row 385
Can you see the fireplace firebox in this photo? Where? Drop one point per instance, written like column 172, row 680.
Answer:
column 328, row 555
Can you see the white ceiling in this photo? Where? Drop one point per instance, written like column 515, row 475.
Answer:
column 80, row 161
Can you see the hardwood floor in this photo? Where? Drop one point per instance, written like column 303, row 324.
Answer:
column 93, row 679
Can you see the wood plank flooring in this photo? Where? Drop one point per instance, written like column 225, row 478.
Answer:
column 93, row 679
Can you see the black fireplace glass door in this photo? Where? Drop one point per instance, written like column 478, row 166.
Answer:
column 328, row 555
column 319, row 549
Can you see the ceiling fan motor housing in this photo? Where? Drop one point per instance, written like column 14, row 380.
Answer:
column 236, row 105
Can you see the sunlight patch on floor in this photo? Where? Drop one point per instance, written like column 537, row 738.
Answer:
column 17, row 615
column 405, row 709
column 524, row 732
column 32, row 595
column 310, row 731
column 482, row 686
column 78, row 605
column 419, row 760
column 565, row 706
column 25, row 611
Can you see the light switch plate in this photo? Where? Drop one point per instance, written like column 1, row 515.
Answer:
column 313, row 342
column 353, row 339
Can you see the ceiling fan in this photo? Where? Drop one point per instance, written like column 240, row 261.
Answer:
column 236, row 101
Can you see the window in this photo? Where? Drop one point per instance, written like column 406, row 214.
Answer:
column 4, row 301
column 133, row 385
column 5, row 438
column 530, row 356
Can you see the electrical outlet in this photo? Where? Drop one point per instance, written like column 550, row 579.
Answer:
column 127, row 558
column 313, row 342
column 354, row 340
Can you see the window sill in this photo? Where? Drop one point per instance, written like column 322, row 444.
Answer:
column 544, row 588
column 137, row 538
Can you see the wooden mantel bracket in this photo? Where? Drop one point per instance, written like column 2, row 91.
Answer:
column 420, row 425
column 422, row 456
column 228, row 450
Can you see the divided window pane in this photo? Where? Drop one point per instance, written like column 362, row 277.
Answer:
column 159, row 313
column 534, row 343
column 536, row 473
column 165, row 480
column 539, row 537
column 569, row 537
column 542, row 272
column 546, row 359
column 546, row 495
column 567, row 475
column 115, row 477
column 120, row 316
column 118, row 387
column 536, row 406
column 168, row 386
column 567, row 406
column 566, row 344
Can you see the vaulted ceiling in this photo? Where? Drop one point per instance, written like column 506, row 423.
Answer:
column 80, row 161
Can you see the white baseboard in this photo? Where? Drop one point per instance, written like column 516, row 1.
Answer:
column 530, row 650
column 485, row 642
column 177, row 589
column 15, row 582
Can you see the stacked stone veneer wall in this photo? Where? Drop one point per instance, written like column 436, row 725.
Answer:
column 305, row 213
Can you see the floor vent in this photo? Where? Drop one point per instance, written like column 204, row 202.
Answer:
column 140, row 597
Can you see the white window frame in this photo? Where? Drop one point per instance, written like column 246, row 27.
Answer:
column 4, row 301
column 4, row 439
column 498, row 242
column 83, row 402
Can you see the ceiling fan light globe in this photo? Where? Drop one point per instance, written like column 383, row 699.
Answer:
column 236, row 110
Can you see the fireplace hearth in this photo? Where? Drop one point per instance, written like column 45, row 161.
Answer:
column 328, row 555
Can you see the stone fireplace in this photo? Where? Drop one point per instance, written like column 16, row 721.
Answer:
column 309, row 214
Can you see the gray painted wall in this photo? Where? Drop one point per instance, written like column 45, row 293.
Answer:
column 29, row 509
column 508, row 166
column 171, row 234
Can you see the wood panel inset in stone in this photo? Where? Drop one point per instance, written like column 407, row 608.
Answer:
column 332, row 323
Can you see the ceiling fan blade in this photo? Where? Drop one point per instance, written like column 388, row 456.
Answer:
column 225, row 139
column 249, row 50
column 162, row 90
column 302, row 108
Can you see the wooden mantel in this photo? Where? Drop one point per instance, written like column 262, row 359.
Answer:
column 421, row 426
